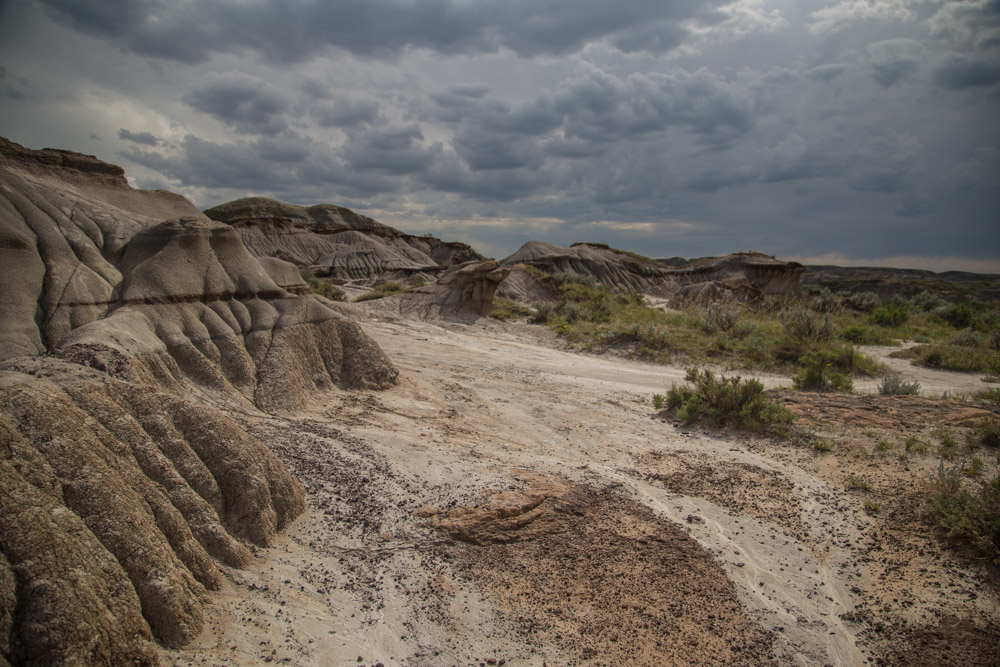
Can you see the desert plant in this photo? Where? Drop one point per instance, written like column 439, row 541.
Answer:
column 986, row 434
column 866, row 302
column 718, row 318
column 325, row 290
column 889, row 316
column 872, row 507
column 858, row 484
column 801, row 325
column 659, row 401
column 820, row 371
column 544, row 312
column 894, row 385
column 504, row 309
column 974, row 468
column 972, row 515
column 727, row 400
column 825, row 302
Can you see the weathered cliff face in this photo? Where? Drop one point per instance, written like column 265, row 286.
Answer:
column 609, row 266
column 343, row 244
column 124, row 316
column 742, row 275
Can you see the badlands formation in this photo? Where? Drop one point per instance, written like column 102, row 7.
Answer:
column 202, row 462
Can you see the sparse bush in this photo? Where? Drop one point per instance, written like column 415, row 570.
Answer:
column 325, row 290
column 974, row 468
column 959, row 315
column 505, row 310
column 822, row 445
column 856, row 333
column 866, row 302
column 823, row 370
column 825, row 302
column 801, row 325
column 727, row 400
column 928, row 302
column 968, row 338
column 718, row 318
column 991, row 395
column 544, row 312
column 872, row 507
column 894, row 385
column 855, row 483
column 889, row 316
column 659, row 401
column 968, row 514
column 987, row 434
column 744, row 329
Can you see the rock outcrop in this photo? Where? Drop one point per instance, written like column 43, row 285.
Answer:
column 463, row 292
column 337, row 242
column 125, row 316
column 742, row 274
column 609, row 266
column 739, row 276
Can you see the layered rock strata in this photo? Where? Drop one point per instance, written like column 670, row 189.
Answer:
column 125, row 317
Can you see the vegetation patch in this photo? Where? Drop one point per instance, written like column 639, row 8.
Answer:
column 325, row 290
column 722, row 400
column 506, row 310
column 894, row 385
column 967, row 509
column 381, row 291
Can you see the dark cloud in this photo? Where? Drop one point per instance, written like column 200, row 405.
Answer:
column 300, row 29
column 891, row 72
column 346, row 113
column 391, row 150
column 893, row 60
column 962, row 72
column 144, row 138
column 246, row 103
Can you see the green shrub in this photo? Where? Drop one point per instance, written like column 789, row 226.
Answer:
column 991, row 395
column 504, row 309
column 893, row 385
column 823, row 370
column 968, row 514
column 866, row 302
column 986, row 434
column 659, row 401
column 727, row 401
column 956, row 357
column 856, row 333
column 718, row 318
column 959, row 315
column 825, row 302
column 544, row 312
column 889, row 316
column 325, row 290
column 802, row 326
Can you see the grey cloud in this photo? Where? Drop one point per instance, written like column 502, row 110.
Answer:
column 248, row 104
column 827, row 72
column 391, row 150
column 793, row 158
column 192, row 31
column 144, row 138
column 893, row 60
column 346, row 113
column 889, row 73
column 962, row 72
column 601, row 107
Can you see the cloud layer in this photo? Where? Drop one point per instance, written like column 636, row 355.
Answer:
column 863, row 129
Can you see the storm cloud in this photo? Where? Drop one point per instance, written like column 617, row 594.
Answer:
column 858, row 129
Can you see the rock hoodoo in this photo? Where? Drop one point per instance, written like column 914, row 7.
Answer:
column 125, row 316
column 465, row 291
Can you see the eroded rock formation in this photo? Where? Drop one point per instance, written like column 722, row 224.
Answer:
column 611, row 267
column 463, row 292
column 125, row 316
column 340, row 243
column 743, row 274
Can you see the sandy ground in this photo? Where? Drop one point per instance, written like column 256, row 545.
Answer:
column 513, row 503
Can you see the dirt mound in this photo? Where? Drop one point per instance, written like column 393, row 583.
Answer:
column 140, row 490
column 336, row 241
column 601, row 578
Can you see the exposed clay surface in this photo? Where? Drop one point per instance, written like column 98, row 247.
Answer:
column 512, row 502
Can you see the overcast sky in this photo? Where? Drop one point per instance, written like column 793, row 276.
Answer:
column 841, row 131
